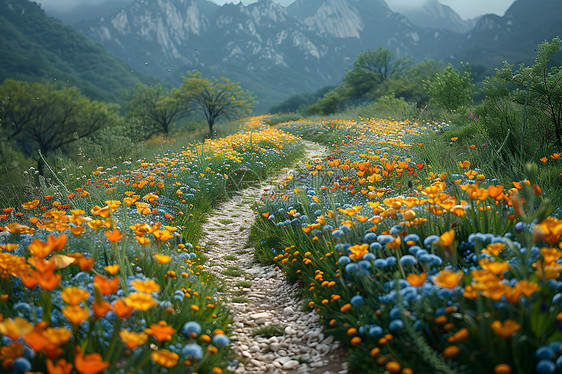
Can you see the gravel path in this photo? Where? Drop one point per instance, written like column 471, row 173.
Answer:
column 272, row 334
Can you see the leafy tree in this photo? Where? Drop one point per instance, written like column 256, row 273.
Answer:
column 215, row 98
column 373, row 68
column 155, row 108
column 545, row 87
column 330, row 103
column 451, row 89
column 46, row 117
column 525, row 105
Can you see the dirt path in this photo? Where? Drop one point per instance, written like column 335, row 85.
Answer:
column 272, row 334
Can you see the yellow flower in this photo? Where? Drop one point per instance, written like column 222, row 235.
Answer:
column 358, row 251
column 133, row 339
column 447, row 279
column 75, row 314
column 147, row 287
column 494, row 267
column 74, row 295
column 494, row 249
column 506, row 329
column 140, row 301
column 15, row 328
column 57, row 336
column 416, row 280
column 448, row 238
column 165, row 358
column 162, row 259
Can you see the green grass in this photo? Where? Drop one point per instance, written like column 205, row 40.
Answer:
column 226, row 221
column 243, row 284
column 240, row 300
column 230, row 258
column 269, row 331
column 232, row 271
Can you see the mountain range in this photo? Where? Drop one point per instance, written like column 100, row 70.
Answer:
column 277, row 51
column 35, row 47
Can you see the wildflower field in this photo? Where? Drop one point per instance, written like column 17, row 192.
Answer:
column 414, row 270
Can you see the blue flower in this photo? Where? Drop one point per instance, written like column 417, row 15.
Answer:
column 356, row 300
column 408, row 260
column 192, row 351
column 221, row 340
column 396, row 325
column 344, row 260
column 191, row 328
column 383, row 239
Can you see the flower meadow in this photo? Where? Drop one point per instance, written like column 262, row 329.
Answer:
column 417, row 270
column 108, row 277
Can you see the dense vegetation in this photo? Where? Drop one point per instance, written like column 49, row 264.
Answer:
column 35, row 47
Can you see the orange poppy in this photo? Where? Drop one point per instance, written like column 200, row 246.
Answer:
column 161, row 331
column 114, row 236
column 91, row 363
column 416, row 280
column 106, row 286
column 121, row 309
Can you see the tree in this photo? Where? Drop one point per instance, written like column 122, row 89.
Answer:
column 155, row 108
column 45, row 117
column 451, row 89
column 217, row 98
column 373, row 68
column 527, row 101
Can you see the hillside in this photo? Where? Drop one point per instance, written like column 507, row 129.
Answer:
column 37, row 47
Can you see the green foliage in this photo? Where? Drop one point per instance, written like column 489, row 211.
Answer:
column 154, row 109
column 451, row 89
column 332, row 102
column 523, row 108
column 42, row 48
column 216, row 99
column 300, row 102
column 45, row 117
column 371, row 69
column 387, row 106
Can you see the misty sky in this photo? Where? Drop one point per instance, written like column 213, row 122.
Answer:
column 465, row 8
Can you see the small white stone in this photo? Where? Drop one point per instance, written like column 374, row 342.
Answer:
column 289, row 365
column 288, row 311
column 260, row 315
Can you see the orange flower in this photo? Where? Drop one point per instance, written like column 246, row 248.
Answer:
column 74, row 295
column 494, row 249
column 165, row 358
column 416, row 280
column 506, row 329
column 75, row 314
column 30, row 204
column 148, row 286
column 15, row 328
column 133, row 339
column 57, row 336
column 9, row 247
column 494, row 267
column 101, row 309
column 141, row 301
column 91, row 363
column 114, row 236
column 358, row 251
column 447, row 279
column 162, row 259
column 161, row 331
column 62, row 367
column 106, row 286
column 448, row 238
column 41, row 249
column 112, row 269
column 121, row 309
column 49, row 281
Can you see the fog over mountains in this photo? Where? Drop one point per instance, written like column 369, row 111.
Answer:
column 276, row 51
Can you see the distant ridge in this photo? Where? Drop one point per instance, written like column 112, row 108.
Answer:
column 36, row 47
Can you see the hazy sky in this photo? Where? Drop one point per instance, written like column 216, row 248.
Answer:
column 465, row 8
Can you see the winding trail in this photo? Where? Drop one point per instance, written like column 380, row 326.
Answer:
column 272, row 334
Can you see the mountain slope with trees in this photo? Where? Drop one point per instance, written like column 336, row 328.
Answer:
column 35, row 47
